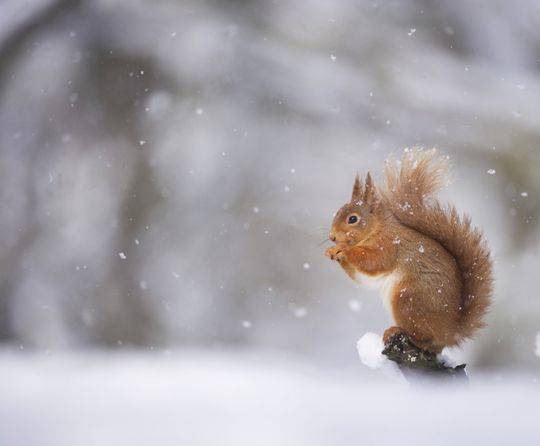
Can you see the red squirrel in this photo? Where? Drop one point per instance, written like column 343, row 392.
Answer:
column 432, row 266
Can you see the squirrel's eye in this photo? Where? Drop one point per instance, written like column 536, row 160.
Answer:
column 352, row 219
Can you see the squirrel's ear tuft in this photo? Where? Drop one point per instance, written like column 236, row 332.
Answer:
column 370, row 197
column 357, row 190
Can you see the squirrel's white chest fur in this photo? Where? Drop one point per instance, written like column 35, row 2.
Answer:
column 385, row 283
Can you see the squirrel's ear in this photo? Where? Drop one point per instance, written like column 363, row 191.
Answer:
column 357, row 190
column 370, row 197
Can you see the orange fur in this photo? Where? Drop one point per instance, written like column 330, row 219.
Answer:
column 439, row 265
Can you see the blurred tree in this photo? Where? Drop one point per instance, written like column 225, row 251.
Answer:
column 11, row 49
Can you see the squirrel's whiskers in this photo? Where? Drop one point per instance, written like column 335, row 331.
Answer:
column 325, row 240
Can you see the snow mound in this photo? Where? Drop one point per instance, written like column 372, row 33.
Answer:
column 370, row 347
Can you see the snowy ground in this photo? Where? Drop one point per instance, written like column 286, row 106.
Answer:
column 210, row 398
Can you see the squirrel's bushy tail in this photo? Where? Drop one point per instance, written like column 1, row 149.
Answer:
column 411, row 186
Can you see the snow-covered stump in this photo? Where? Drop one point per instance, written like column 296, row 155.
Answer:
column 401, row 359
column 414, row 361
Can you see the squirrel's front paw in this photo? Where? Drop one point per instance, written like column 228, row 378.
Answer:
column 335, row 253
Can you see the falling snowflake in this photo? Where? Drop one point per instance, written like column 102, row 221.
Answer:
column 300, row 312
column 355, row 305
column 122, row 255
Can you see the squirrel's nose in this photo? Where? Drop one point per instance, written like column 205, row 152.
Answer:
column 332, row 237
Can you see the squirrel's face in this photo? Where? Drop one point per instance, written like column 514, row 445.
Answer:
column 352, row 224
column 356, row 220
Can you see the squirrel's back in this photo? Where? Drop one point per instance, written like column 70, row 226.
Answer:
column 410, row 188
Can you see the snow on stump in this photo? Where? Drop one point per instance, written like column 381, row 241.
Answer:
column 403, row 360
column 414, row 361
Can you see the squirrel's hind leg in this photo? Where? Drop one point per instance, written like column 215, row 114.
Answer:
column 428, row 323
column 425, row 345
column 389, row 333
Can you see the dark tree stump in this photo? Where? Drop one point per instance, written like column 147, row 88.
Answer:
column 414, row 362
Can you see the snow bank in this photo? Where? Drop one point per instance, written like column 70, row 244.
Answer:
column 244, row 399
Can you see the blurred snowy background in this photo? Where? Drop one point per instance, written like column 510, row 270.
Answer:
column 169, row 169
